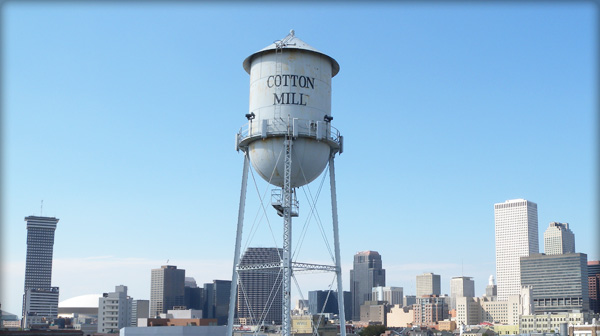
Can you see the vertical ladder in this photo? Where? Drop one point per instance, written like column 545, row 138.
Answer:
column 279, row 45
column 278, row 72
column 287, row 235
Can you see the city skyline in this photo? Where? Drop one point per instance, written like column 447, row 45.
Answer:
column 121, row 119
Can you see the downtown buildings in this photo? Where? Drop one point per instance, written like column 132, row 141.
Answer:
column 530, row 284
column 170, row 290
column 40, row 299
column 215, row 303
column 473, row 311
column 366, row 274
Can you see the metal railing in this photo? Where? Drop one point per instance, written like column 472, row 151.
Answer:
column 301, row 127
column 277, row 202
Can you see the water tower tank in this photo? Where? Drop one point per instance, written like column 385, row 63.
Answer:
column 290, row 96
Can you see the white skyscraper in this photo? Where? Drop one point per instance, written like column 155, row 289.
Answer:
column 459, row 287
column 516, row 224
column 428, row 284
column 559, row 239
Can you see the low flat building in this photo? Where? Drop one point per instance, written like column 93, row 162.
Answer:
column 303, row 326
column 173, row 322
column 506, row 329
column 585, row 329
column 183, row 314
column 400, row 317
column 550, row 322
column 175, row 331
column 473, row 311
column 11, row 324
column 45, row 332
column 480, row 331
column 446, row 325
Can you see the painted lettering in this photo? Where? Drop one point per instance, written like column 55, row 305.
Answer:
column 289, row 98
column 291, row 80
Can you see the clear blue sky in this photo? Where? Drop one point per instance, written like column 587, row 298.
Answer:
column 121, row 117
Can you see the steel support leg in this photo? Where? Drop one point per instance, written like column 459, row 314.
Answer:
column 286, row 324
column 238, row 244
column 336, row 242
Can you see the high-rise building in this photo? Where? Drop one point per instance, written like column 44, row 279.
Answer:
column 166, row 289
column 391, row 295
column 139, row 309
column 430, row 309
column 428, row 284
column 216, row 304
column 326, row 302
column 40, row 299
column 491, row 290
column 559, row 282
column 194, row 298
column 259, row 291
column 516, row 231
column 114, row 310
column 594, row 285
column 366, row 274
column 409, row 300
column 593, row 267
column 558, row 239
column 322, row 301
column 190, row 282
column 459, row 287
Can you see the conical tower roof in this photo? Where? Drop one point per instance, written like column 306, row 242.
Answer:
column 291, row 42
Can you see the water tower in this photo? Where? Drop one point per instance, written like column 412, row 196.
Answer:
column 289, row 140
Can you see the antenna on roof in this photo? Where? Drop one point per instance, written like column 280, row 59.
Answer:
column 42, row 208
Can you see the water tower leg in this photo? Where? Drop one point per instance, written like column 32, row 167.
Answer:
column 286, row 323
column 336, row 242
column 238, row 243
